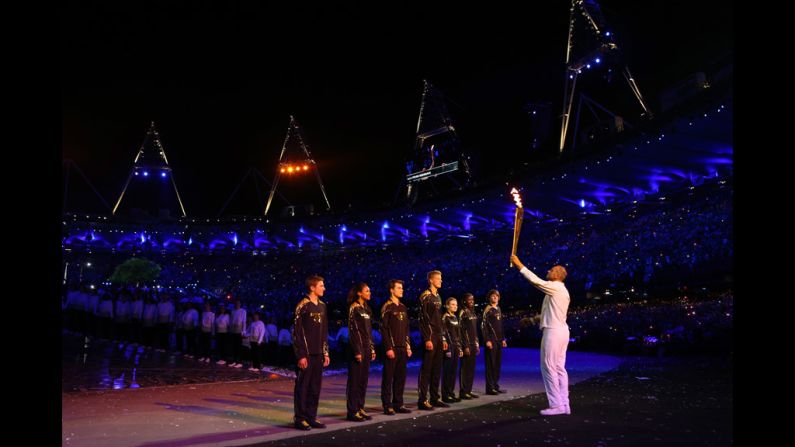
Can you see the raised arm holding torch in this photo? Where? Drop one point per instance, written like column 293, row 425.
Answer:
column 517, row 221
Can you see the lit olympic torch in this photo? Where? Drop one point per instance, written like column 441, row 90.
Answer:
column 517, row 221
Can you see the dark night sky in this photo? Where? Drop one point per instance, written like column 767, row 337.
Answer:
column 221, row 80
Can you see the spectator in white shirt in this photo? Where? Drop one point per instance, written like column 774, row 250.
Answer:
column 206, row 334
column 179, row 328
column 238, row 325
column 273, row 336
column 222, row 335
column 149, row 320
column 257, row 337
column 286, row 347
column 190, row 320
column 165, row 319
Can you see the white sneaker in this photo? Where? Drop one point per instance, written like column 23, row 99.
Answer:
column 252, row 369
column 554, row 411
column 207, row 360
column 201, row 359
column 238, row 365
column 221, row 362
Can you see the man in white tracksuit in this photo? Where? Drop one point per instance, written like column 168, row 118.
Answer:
column 556, row 335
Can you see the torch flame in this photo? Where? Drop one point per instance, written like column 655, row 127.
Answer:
column 516, row 197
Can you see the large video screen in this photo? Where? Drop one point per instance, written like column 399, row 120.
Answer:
column 436, row 155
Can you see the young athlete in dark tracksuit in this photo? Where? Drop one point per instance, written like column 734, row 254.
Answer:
column 469, row 340
column 361, row 351
column 434, row 344
column 495, row 341
column 452, row 331
column 310, row 344
column 397, row 347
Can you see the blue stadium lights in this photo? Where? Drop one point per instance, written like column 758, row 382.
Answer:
column 146, row 173
column 163, row 174
column 582, row 203
column 136, row 173
column 587, row 65
column 598, row 61
column 607, row 34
